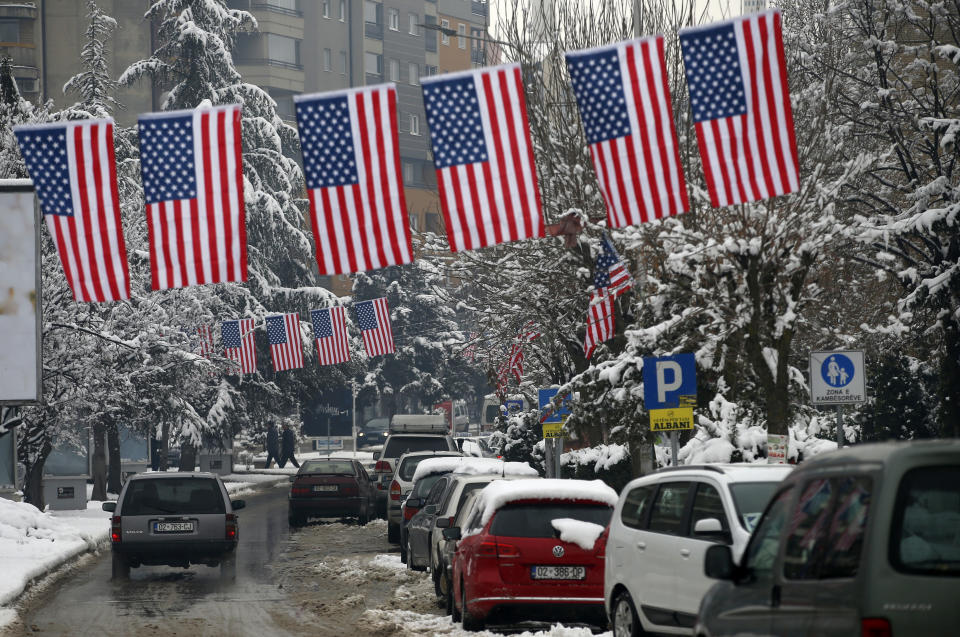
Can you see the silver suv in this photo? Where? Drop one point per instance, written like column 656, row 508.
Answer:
column 864, row 540
column 174, row 519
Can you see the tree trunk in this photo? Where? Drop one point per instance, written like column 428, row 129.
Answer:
column 164, row 446
column 114, row 476
column 33, row 481
column 188, row 457
column 950, row 381
column 99, row 462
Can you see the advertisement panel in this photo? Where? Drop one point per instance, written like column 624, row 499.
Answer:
column 19, row 294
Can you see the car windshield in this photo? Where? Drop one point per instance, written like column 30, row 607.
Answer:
column 409, row 465
column 925, row 535
column 534, row 519
column 377, row 424
column 751, row 498
column 173, row 496
column 398, row 445
column 423, row 485
column 329, row 467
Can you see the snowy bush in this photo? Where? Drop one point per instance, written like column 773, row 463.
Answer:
column 610, row 463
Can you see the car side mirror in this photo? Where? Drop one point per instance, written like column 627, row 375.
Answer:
column 443, row 523
column 377, row 454
column 452, row 533
column 415, row 502
column 236, row 505
column 109, row 506
column 431, row 509
column 708, row 526
column 718, row 563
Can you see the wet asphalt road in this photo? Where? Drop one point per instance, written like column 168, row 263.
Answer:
column 173, row 601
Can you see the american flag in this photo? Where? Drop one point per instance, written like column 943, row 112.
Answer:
column 600, row 322
column 484, row 156
column 469, row 352
column 737, row 74
column 74, row 170
column 193, row 185
column 206, row 341
column 351, row 158
column 624, row 102
column 330, row 330
column 513, row 365
column 238, row 344
column 285, row 346
column 611, row 274
column 373, row 319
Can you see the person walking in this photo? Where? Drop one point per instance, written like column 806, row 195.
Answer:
column 273, row 446
column 288, row 444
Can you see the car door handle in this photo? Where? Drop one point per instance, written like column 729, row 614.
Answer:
column 685, row 552
column 641, row 545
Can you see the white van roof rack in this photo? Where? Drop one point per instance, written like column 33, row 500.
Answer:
column 419, row 423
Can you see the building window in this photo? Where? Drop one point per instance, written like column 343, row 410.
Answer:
column 283, row 49
column 326, row 8
column 414, row 69
column 407, row 173
column 343, row 10
column 394, row 22
column 373, row 63
column 394, row 70
column 371, row 12
column 444, row 38
column 429, row 69
column 9, row 30
column 343, row 62
column 414, row 124
column 414, row 21
column 327, row 60
column 462, row 31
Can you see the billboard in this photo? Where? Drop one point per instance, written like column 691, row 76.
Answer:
column 19, row 294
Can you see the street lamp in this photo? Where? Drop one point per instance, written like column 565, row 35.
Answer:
column 447, row 31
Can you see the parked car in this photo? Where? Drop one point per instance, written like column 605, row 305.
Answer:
column 661, row 528
column 414, row 502
column 373, row 432
column 861, row 541
column 174, row 519
column 476, row 446
column 331, row 487
column 510, row 565
column 442, row 581
column 407, row 465
column 425, row 530
column 407, row 433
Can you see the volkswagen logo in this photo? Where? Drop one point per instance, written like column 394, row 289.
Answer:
column 558, row 551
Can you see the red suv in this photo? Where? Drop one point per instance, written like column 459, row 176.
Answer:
column 532, row 550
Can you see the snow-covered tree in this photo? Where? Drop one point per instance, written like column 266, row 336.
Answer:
column 94, row 85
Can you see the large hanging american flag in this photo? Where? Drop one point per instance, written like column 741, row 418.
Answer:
column 737, row 74
column 351, row 158
column 624, row 102
column 193, row 185
column 74, row 171
column 205, row 332
column 484, row 157
column 285, row 346
column 238, row 344
column 610, row 280
column 330, row 330
column 373, row 319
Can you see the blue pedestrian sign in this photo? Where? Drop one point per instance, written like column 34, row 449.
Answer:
column 837, row 378
column 545, row 396
column 670, row 382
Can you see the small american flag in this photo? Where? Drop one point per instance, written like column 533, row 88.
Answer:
column 624, row 102
column 285, row 346
column 330, row 330
column 737, row 74
column 74, row 170
column 206, row 341
column 373, row 319
column 484, row 156
column 600, row 322
column 193, row 185
column 238, row 344
column 611, row 274
column 351, row 158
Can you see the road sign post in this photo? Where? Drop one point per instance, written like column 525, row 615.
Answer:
column 838, row 378
column 552, row 419
column 670, row 393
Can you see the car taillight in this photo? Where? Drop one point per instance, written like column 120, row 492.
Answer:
column 115, row 535
column 394, row 490
column 600, row 546
column 875, row 627
column 231, row 530
column 349, row 489
column 409, row 512
column 300, row 491
column 497, row 549
column 382, row 466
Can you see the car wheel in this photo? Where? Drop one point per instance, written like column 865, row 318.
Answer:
column 228, row 567
column 393, row 533
column 296, row 519
column 120, row 567
column 470, row 623
column 405, row 550
column 364, row 517
column 625, row 620
column 455, row 614
column 448, row 596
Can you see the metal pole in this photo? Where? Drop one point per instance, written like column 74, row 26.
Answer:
column 674, row 447
column 557, row 454
column 353, row 387
column 548, row 452
column 840, row 436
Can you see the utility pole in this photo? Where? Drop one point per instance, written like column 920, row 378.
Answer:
column 355, row 389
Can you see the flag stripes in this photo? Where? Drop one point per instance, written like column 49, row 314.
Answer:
column 286, row 349
column 73, row 167
column 330, row 330
column 600, row 322
column 373, row 319
column 239, row 345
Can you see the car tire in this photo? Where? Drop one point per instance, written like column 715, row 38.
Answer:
column 455, row 615
column 469, row 622
column 623, row 617
column 448, row 598
column 404, row 550
column 120, row 567
column 296, row 519
column 363, row 517
column 228, row 567
column 393, row 533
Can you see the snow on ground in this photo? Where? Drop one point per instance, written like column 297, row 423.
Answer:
column 406, row 622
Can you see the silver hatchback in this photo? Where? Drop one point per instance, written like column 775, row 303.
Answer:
column 174, row 519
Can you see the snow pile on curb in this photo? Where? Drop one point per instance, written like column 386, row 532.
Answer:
column 32, row 543
column 404, row 622
column 602, row 457
column 496, row 494
column 583, row 534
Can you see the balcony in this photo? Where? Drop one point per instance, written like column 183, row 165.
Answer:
column 477, row 56
column 22, row 11
column 275, row 8
column 373, row 30
column 478, row 8
column 293, row 66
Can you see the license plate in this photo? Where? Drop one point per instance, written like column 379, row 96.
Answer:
column 324, row 487
column 558, row 572
column 172, row 527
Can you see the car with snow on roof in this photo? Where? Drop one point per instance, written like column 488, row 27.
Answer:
column 532, row 550
column 663, row 525
column 402, row 484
